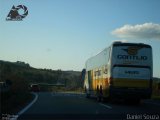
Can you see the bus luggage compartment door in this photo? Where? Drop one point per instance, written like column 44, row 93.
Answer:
column 90, row 80
column 131, row 77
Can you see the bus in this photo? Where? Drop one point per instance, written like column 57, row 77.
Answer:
column 122, row 70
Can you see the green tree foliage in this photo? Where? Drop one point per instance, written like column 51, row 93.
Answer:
column 20, row 74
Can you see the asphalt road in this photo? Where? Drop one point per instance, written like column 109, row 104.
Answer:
column 76, row 106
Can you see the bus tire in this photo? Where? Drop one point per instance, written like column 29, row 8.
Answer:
column 99, row 99
column 88, row 95
column 99, row 94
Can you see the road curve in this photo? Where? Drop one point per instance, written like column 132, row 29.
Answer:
column 76, row 106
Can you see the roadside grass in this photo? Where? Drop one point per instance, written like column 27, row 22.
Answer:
column 13, row 102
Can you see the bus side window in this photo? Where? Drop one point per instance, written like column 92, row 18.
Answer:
column 105, row 70
column 99, row 72
column 95, row 73
column 109, row 53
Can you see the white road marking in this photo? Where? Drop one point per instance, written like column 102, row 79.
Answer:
column 15, row 117
column 29, row 105
column 107, row 106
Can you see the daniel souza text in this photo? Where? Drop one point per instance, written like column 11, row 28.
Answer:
column 142, row 117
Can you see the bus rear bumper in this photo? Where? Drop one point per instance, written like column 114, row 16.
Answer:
column 130, row 93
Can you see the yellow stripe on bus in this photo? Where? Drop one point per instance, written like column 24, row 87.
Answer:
column 138, row 83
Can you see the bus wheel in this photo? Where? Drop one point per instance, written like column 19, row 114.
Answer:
column 88, row 95
column 99, row 99
column 99, row 95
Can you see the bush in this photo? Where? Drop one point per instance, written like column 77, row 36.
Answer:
column 18, row 84
column 12, row 102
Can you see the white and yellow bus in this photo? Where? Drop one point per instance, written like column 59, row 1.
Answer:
column 123, row 70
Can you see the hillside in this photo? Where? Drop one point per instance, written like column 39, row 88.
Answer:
column 12, row 71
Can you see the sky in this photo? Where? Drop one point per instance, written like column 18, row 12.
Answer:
column 63, row 34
